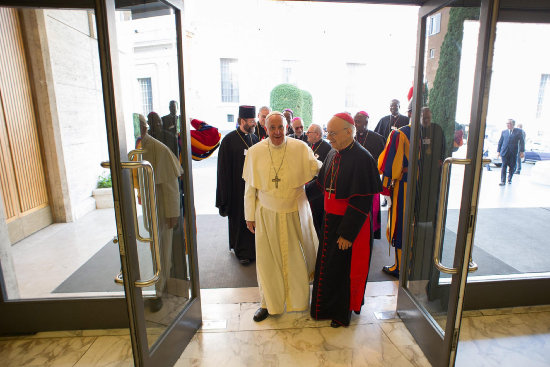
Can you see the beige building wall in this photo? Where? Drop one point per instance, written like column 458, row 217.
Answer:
column 68, row 92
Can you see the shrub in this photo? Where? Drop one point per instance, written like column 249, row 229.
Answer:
column 286, row 96
column 104, row 181
column 307, row 108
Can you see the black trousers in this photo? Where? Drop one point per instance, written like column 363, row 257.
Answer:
column 508, row 161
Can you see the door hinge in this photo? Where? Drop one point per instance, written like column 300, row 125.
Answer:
column 454, row 342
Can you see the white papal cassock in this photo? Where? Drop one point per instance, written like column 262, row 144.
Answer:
column 286, row 242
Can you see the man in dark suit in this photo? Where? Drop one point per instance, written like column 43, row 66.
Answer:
column 510, row 141
column 170, row 128
column 393, row 121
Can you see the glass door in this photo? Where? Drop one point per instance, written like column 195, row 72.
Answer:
column 445, row 161
column 159, row 267
column 473, row 233
column 104, row 84
column 513, row 218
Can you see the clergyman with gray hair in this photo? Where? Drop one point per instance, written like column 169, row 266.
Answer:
column 348, row 181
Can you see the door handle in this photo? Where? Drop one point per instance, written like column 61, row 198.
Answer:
column 143, row 188
column 150, row 193
column 442, row 210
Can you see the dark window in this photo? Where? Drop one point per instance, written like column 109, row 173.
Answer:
column 146, row 95
column 230, row 80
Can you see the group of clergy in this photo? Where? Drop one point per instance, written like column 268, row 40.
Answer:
column 306, row 210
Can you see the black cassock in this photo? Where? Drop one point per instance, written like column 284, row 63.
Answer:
column 374, row 143
column 230, row 191
column 389, row 123
column 170, row 133
column 260, row 131
column 320, row 150
column 348, row 180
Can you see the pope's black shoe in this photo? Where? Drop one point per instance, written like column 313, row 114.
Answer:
column 244, row 261
column 261, row 314
column 393, row 273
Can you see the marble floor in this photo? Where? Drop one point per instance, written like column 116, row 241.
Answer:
column 229, row 337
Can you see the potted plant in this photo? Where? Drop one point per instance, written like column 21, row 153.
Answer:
column 103, row 194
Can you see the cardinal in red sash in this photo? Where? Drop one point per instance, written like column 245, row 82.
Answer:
column 348, row 181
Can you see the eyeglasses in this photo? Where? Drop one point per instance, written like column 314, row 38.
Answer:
column 334, row 133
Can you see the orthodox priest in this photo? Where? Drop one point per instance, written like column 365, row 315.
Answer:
column 277, row 211
column 348, row 180
column 374, row 144
column 320, row 150
column 393, row 121
column 230, row 186
column 393, row 164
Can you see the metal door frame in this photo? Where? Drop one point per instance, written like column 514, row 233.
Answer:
column 27, row 316
column 441, row 349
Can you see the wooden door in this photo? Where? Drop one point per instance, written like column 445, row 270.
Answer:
column 22, row 179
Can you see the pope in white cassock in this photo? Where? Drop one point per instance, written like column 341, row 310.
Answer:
column 277, row 211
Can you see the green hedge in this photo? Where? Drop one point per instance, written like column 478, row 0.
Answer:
column 443, row 95
column 298, row 100
column 286, row 96
column 137, row 131
column 307, row 108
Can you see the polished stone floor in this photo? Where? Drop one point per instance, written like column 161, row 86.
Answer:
column 503, row 337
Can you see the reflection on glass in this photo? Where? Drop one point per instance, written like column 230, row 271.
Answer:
column 57, row 201
column 451, row 40
column 148, row 67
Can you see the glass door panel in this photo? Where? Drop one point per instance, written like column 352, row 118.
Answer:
column 442, row 174
column 56, row 86
column 514, row 217
column 446, row 97
column 150, row 65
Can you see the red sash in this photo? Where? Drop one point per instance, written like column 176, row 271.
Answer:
column 360, row 255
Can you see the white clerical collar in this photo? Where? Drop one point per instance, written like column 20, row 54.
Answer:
column 277, row 146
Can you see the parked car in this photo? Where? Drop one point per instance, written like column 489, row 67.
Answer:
column 537, row 150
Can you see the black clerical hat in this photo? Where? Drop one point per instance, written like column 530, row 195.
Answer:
column 247, row 112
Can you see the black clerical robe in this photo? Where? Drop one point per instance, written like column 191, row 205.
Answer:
column 302, row 137
column 389, row 123
column 230, row 191
column 320, row 151
column 374, row 143
column 432, row 155
column 260, row 131
column 170, row 133
column 348, row 179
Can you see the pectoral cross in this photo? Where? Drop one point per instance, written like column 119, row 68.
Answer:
column 330, row 190
column 276, row 180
